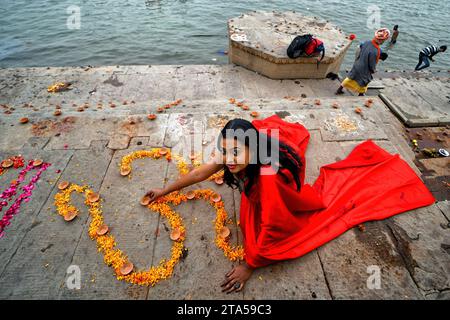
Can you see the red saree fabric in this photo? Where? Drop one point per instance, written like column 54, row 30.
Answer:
column 279, row 223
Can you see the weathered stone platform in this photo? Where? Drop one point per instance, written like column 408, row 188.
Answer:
column 418, row 99
column 259, row 40
column 85, row 147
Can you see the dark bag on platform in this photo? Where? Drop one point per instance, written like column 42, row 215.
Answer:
column 298, row 46
column 306, row 44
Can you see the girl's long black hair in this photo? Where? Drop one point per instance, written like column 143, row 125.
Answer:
column 287, row 157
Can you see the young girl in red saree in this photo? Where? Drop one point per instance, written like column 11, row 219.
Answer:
column 283, row 218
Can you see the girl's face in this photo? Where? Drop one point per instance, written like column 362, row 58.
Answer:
column 236, row 156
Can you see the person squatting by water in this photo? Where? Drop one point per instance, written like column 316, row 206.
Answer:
column 281, row 216
column 427, row 54
column 395, row 34
column 365, row 64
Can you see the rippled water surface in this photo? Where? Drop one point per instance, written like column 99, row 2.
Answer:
column 112, row 32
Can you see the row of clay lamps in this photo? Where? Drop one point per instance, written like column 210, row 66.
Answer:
column 176, row 233
column 368, row 103
column 145, row 201
column 243, row 106
column 8, row 163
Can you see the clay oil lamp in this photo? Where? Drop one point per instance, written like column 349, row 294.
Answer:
column 7, row 163
column 145, row 201
column 126, row 269
column 102, row 230
column 225, row 233
column 125, row 171
column 37, row 162
column 69, row 216
column 93, row 197
column 216, row 197
column 23, row 120
column 63, row 185
column 190, row 194
column 163, row 151
column 175, row 234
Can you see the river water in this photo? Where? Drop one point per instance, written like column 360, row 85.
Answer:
column 112, row 32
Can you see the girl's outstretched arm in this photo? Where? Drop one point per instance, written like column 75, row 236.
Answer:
column 197, row 175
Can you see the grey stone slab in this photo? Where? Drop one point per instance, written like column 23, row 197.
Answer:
column 204, row 87
column 323, row 87
column 161, row 87
column 268, row 88
column 116, row 86
column 422, row 240
column 133, row 87
column 77, row 132
column 351, row 259
column 28, row 218
column 27, row 88
column 119, row 141
column 301, row 278
column 297, row 88
column 418, row 102
column 139, row 141
column 199, row 274
column 192, row 69
column 228, row 84
column 38, row 267
column 36, row 143
column 13, row 136
column 184, row 86
column 435, row 94
column 153, row 69
column 249, row 83
column 444, row 206
column 132, row 225
column 437, row 166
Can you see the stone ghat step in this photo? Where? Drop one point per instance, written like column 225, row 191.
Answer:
column 145, row 84
column 199, row 106
column 79, row 131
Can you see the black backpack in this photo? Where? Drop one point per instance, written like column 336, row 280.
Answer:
column 298, row 45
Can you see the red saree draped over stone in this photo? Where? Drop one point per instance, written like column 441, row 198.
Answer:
column 279, row 223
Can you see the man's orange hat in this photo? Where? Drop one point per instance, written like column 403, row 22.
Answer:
column 382, row 34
